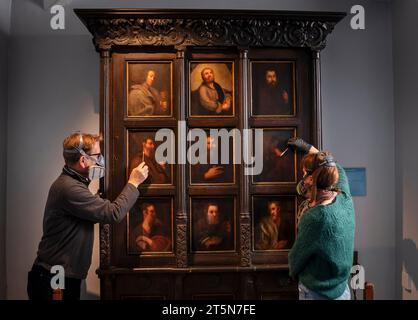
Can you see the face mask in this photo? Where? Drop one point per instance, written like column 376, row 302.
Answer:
column 97, row 171
column 302, row 189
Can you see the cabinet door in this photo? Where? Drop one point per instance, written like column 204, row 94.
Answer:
column 148, row 97
column 145, row 100
column 280, row 104
column 214, row 104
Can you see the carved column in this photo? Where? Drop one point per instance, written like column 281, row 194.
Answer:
column 317, row 123
column 105, row 101
column 245, row 220
column 181, row 218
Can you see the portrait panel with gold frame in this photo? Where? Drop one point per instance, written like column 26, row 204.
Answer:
column 149, row 89
column 211, row 89
column 279, row 161
column 150, row 225
column 273, row 89
column 273, row 222
column 212, row 224
column 141, row 146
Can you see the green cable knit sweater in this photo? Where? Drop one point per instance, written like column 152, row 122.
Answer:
column 322, row 254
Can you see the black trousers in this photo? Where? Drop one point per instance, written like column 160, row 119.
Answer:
column 39, row 285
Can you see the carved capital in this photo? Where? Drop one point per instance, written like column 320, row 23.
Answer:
column 316, row 54
column 180, row 53
column 245, row 217
column 181, row 218
column 105, row 53
column 244, row 54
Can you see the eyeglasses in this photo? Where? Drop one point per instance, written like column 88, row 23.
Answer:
column 100, row 158
column 94, row 154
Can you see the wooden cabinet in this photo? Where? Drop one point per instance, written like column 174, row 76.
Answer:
column 205, row 231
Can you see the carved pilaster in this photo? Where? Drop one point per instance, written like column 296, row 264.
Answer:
column 316, row 63
column 182, row 219
column 105, row 233
column 105, row 98
column 245, row 244
column 245, row 222
column 181, row 250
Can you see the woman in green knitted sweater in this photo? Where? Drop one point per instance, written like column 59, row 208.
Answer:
column 322, row 255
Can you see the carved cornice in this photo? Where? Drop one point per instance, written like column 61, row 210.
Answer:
column 208, row 28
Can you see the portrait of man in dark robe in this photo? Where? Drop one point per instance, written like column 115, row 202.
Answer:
column 150, row 226
column 278, row 159
column 272, row 89
column 213, row 225
column 204, row 173
column 142, row 149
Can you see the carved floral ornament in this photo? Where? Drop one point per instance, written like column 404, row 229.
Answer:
column 178, row 32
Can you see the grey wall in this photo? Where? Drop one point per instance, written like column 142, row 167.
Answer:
column 358, row 121
column 5, row 7
column 53, row 90
column 405, row 49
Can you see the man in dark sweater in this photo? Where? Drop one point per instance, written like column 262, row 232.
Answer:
column 70, row 214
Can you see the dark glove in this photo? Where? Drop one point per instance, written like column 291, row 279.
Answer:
column 298, row 143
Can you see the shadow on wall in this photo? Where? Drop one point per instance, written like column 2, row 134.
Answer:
column 4, row 44
column 410, row 259
column 39, row 3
